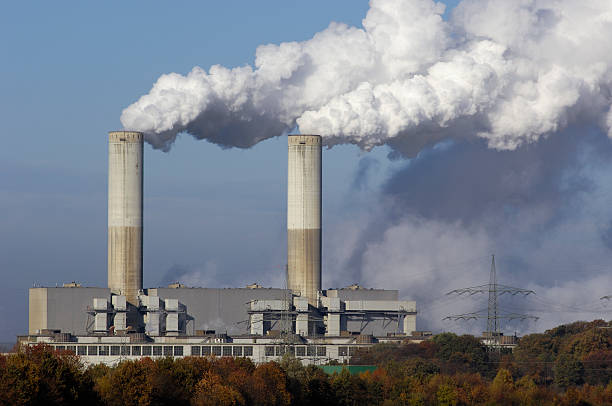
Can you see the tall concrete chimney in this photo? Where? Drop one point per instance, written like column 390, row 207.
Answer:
column 304, row 216
column 125, row 159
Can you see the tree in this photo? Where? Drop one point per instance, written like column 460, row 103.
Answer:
column 420, row 368
column 568, row 371
column 533, row 352
column 210, row 391
column 129, row 383
column 37, row 375
column 463, row 353
column 296, row 377
column 599, row 367
column 502, row 387
column 269, row 385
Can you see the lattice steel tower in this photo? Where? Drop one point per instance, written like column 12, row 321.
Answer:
column 494, row 315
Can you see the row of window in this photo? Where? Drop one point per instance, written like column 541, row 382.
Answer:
column 138, row 350
column 225, row 351
column 299, row 351
column 204, row 350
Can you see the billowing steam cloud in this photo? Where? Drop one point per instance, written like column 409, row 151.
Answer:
column 507, row 71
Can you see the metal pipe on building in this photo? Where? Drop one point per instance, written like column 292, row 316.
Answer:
column 304, row 216
column 125, row 160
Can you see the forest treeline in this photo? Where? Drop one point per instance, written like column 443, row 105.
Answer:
column 568, row 365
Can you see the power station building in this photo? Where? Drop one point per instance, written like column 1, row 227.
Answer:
column 125, row 320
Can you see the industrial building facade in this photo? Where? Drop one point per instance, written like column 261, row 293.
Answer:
column 126, row 321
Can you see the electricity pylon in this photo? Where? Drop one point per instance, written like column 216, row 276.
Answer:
column 494, row 315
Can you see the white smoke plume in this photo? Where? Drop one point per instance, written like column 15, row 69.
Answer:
column 507, row 71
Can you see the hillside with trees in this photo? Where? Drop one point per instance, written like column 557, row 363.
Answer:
column 567, row 365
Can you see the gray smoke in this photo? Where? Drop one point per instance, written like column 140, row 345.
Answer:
column 509, row 72
column 544, row 209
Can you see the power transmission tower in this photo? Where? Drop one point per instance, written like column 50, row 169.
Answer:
column 494, row 314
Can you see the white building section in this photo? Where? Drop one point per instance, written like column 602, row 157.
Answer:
column 112, row 350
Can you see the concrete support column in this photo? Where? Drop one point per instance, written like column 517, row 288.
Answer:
column 301, row 324
column 257, row 324
column 409, row 324
column 125, row 160
column 304, row 216
column 333, row 324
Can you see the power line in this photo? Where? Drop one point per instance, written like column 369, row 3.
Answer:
column 494, row 314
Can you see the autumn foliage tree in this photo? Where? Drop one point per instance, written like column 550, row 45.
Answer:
column 38, row 375
column 567, row 365
column 211, row 391
column 129, row 384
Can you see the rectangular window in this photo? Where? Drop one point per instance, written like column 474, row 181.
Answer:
column 114, row 350
column 321, row 351
column 82, row 350
column 195, row 350
column 103, row 350
column 60, row 347
column 280, row 350
column 167, row 350
column 343, row 351
column 206, row 350
column 136, row 350
column 92, row 350
column 157, row 350
column 300, row 351
column 269, row 351
column 352, row 350
column 227, row 351
column 125, row 350
column 290, row 350
column 310, row 351
column 146, row 350
column 71, row 348
column 248, row 351
column 216, row 350
column 237, row 351
column 178, row 350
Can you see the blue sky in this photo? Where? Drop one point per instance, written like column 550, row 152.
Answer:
column 68, row 70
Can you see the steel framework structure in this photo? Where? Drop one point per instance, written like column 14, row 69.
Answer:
column 494, row 314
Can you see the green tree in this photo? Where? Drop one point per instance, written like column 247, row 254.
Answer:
column 317, row 389
column 462, row 353
column 568, row 371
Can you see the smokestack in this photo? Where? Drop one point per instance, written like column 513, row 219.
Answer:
column 304, row 216
column 125, row 159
